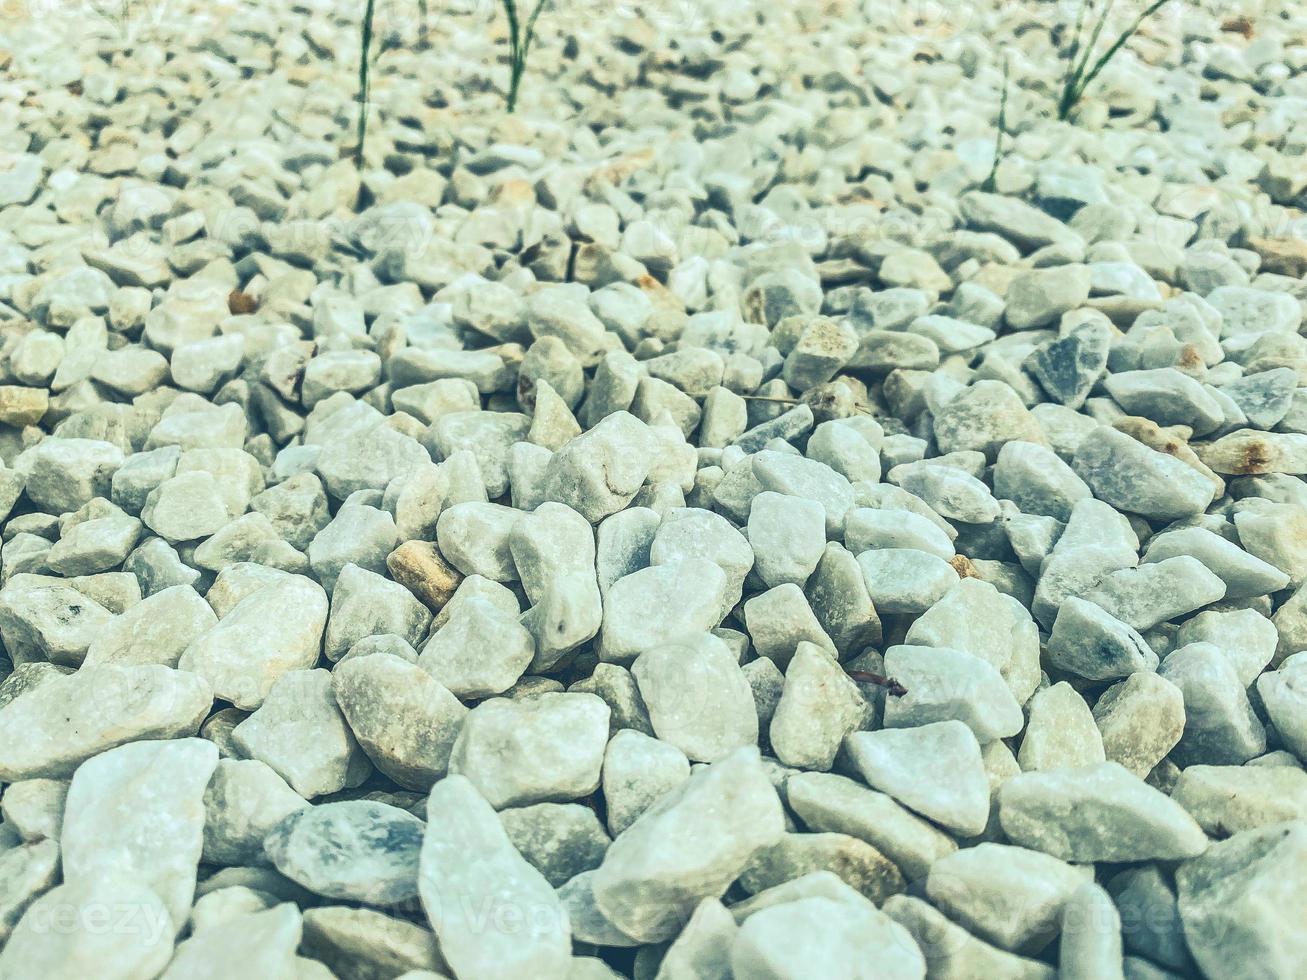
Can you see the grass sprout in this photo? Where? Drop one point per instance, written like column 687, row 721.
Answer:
column 365, row 82
column 520, row 35
column 991, row 182
column 1082, row 68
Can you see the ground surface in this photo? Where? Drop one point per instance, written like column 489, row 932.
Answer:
column 722, row 520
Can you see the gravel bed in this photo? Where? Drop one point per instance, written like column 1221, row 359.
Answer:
column 720, row 522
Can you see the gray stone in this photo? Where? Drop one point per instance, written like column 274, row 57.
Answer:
column 26, row 872
column 827, row 803
column 467, row 863
column 638, row 769
column 779, row 619
column 1068, row 368
column 1237, row 903
column 357, row 850
column 1040, row 296
column 1127, row 474
column 697, row 697
column 1227, row 800
column 301, row 734
column 1244, row 575
column 984, row 417
column 272, row 630
column 819, row 705
column 702, row 951
column 689, row 846
column 1246, row 637
column 975, row 618
column 904, row 580
column 1037, row 480
column 93, row 546
column 186, row 507
column 1010, row 896
column 933, row 769
column 359, row 534
column 599, row 472
column 840, row 601
column 41, row 619
column 943, row 684
column 879, row 530
column 951, row 951
column 1284, row 694
column 1060, row 731
column 1153, row 593
column 660, row 604
column 403, row 718
column 1141, row 720
column 364, row 942
column 692, row 533
column 827, row 937
column 950, row 492
column 63, row 474
column 138, row 810
column 560, row 840
column 1091, row 945
column 549, row 748
column 1091, row 643
column 158, row 629
column 261, row 941
column 244, row 800
column 34, row 808
column 85, row 948
column 50, row 729
column 363, row 604
column 1220, row 726
column 1096, row 813
column 794, row 476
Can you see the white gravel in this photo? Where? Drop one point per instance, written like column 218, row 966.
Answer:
column 696, row 528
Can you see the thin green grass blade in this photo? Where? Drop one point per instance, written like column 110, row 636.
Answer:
column 365, row 82
column 1088, row 52
column 531, row 27
column 1068, row 78
column 991, row 182
column 1117, row 45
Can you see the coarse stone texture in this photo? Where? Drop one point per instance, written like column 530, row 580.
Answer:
column 698, row 699
column 819, row 705
column 84, row 947
column 544, row 748
column 269, row 632
column 1096, row 813
column 638, row 769
column 844, row 936
column 244, row 800
column 689, row 846
column 51, row 728
column 777, row 529
column 852, row 860
column 1010, row 896
column 358, row 850
column 894, row 760
column 403, row 718
column 952, row 951
column 467, row 860
column 138, row 811
column 1237, row 900
column 263, row 941
column 300, row 732
column 364, row 942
